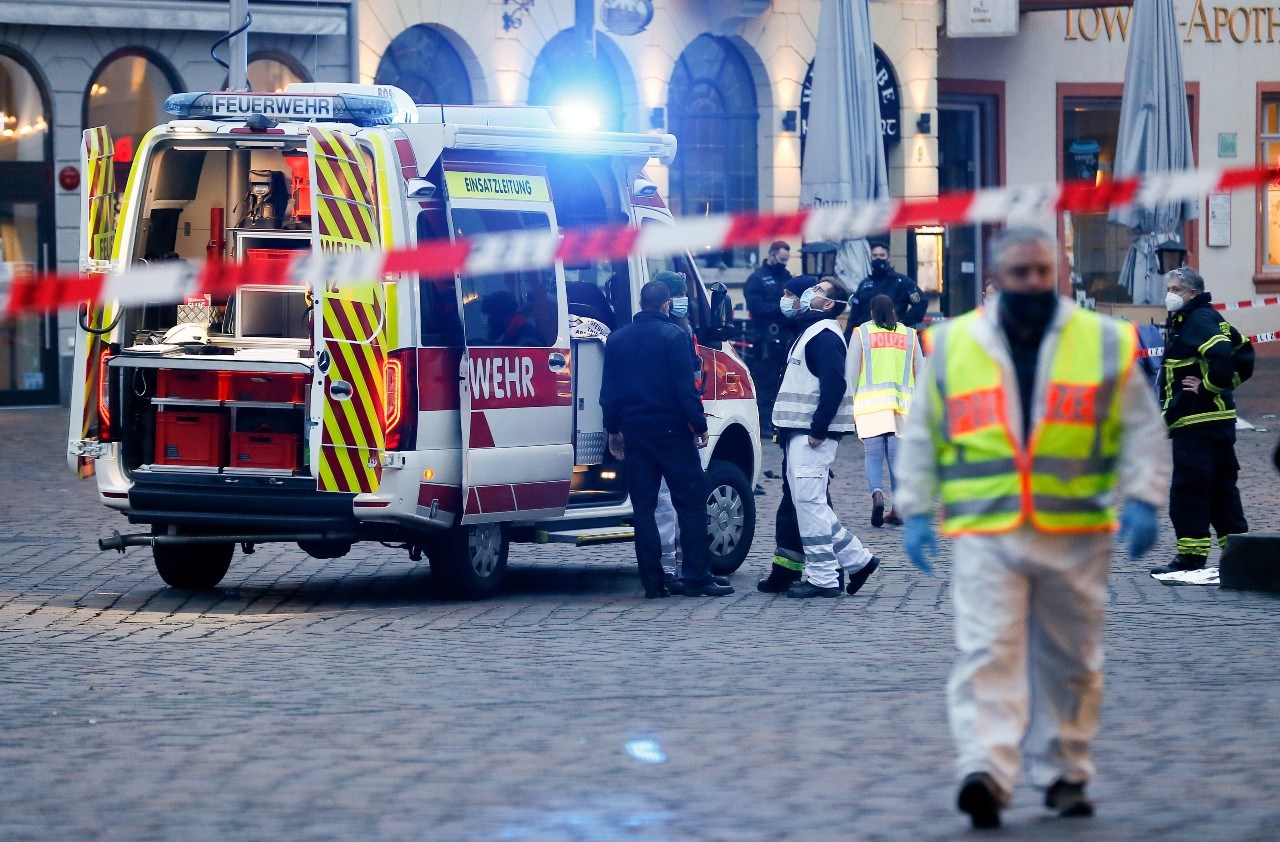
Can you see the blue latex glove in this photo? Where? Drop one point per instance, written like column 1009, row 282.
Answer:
column 918, row 538
column 1138, row 525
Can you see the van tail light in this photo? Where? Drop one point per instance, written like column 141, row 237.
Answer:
column 400, row 374
column 104, row 397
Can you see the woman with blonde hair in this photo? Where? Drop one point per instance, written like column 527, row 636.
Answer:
column 884, row 360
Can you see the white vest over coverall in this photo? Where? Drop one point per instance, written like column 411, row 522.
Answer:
column 828, row 546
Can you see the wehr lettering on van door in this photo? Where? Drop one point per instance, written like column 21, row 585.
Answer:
column 501, row 377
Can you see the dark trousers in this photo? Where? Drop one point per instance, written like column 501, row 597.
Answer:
column 651, row 457
column 1203, row 493
column 767, row 358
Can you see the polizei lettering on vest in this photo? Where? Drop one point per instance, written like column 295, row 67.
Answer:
column 502, row 377
column 498, row 186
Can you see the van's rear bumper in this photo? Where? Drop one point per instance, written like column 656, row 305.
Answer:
column 254, row 504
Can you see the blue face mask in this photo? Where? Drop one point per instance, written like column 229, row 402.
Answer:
column 790, row 307
column 680, row 306
column 806, row 300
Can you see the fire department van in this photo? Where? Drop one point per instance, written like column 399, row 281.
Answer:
column 443, row 417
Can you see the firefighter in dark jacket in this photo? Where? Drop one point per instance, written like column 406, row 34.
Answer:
column 814, row 409
column 654, row 419
column 1201, row 355
column 908, row 301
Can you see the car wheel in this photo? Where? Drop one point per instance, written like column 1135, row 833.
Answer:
column 731, row 516
column 194, row 566
column 470, row 561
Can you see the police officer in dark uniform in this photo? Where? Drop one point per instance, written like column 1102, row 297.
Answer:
column 654, row 419
column 767, row 331
column 908, row 302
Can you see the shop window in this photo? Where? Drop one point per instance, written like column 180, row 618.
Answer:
column 274, row 72
column 24, row 127
column 712, row 109
column 1269, row 221
column 1090, row 128
column 422, row 63
column 127, row 95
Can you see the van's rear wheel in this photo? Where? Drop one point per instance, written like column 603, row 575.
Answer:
column 731, row 516
column 195, row 566
column 470, row 561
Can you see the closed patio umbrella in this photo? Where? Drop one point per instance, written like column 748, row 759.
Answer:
column 1155, row 135
column 844, row 151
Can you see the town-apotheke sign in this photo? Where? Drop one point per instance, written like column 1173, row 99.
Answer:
column 1206, row 24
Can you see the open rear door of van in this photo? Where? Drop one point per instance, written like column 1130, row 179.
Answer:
column 516, row 389
column 97, row 238
column 348, row 321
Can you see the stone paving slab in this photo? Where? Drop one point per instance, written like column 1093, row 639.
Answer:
column 341, row 698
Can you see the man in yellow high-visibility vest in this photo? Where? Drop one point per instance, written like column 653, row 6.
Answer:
column 1030, row 420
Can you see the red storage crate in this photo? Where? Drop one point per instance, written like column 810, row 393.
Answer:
column 260, row 256
column 191, row 384
column 268, row 386
column 191, row 438
column 264, row 450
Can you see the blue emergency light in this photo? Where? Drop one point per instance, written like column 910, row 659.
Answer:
column 238, row 105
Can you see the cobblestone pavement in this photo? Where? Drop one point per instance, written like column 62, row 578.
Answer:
column 325, row 699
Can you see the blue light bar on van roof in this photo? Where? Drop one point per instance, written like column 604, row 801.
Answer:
column 231, row 105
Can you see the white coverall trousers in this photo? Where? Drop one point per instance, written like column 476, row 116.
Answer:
column 1028, row 614
column 827, row 545
column 668, row 528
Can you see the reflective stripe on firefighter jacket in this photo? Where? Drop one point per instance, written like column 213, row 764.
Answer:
column 798, row 395
column 1062, row 482
column 887, row 377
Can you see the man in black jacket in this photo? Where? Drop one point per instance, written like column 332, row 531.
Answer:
column 654, row 419
column 814, row 409
column 767, row 330
column 908, row 301
column 1195, row 390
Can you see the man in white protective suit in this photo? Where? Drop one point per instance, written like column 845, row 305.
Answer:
column 1029, row 422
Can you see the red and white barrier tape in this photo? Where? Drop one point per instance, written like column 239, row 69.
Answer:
column 1247, row 304
column 529, row 250
column 1257, row 339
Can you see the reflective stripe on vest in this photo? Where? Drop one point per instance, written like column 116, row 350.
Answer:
column 1064, row 480
column 886, row 354
column 798, row 395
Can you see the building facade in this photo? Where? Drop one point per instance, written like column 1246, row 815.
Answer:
column 66, row 66
column 727, row 77
column 1054, row 90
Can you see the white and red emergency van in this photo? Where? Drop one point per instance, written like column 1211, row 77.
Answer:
column 444, row 417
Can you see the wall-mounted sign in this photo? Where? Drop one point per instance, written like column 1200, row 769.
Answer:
column 1226, row 144
column 982, row 18
column 626, row 17
column 69, row 178
column 1219, row 233
column 1207, row 24
column 886, row 94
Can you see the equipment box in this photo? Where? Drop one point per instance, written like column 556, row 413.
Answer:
column 191, row 384
column 267, row 387
column 191, row 438
column 276, row 451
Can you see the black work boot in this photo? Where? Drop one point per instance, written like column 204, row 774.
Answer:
column 1068, row 799
column 779, row 579
column 1181, row 562
column 981, row 798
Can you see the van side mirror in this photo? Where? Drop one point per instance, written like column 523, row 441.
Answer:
column 720, row 319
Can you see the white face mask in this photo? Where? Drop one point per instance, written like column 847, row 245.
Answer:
column 1173, row 302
